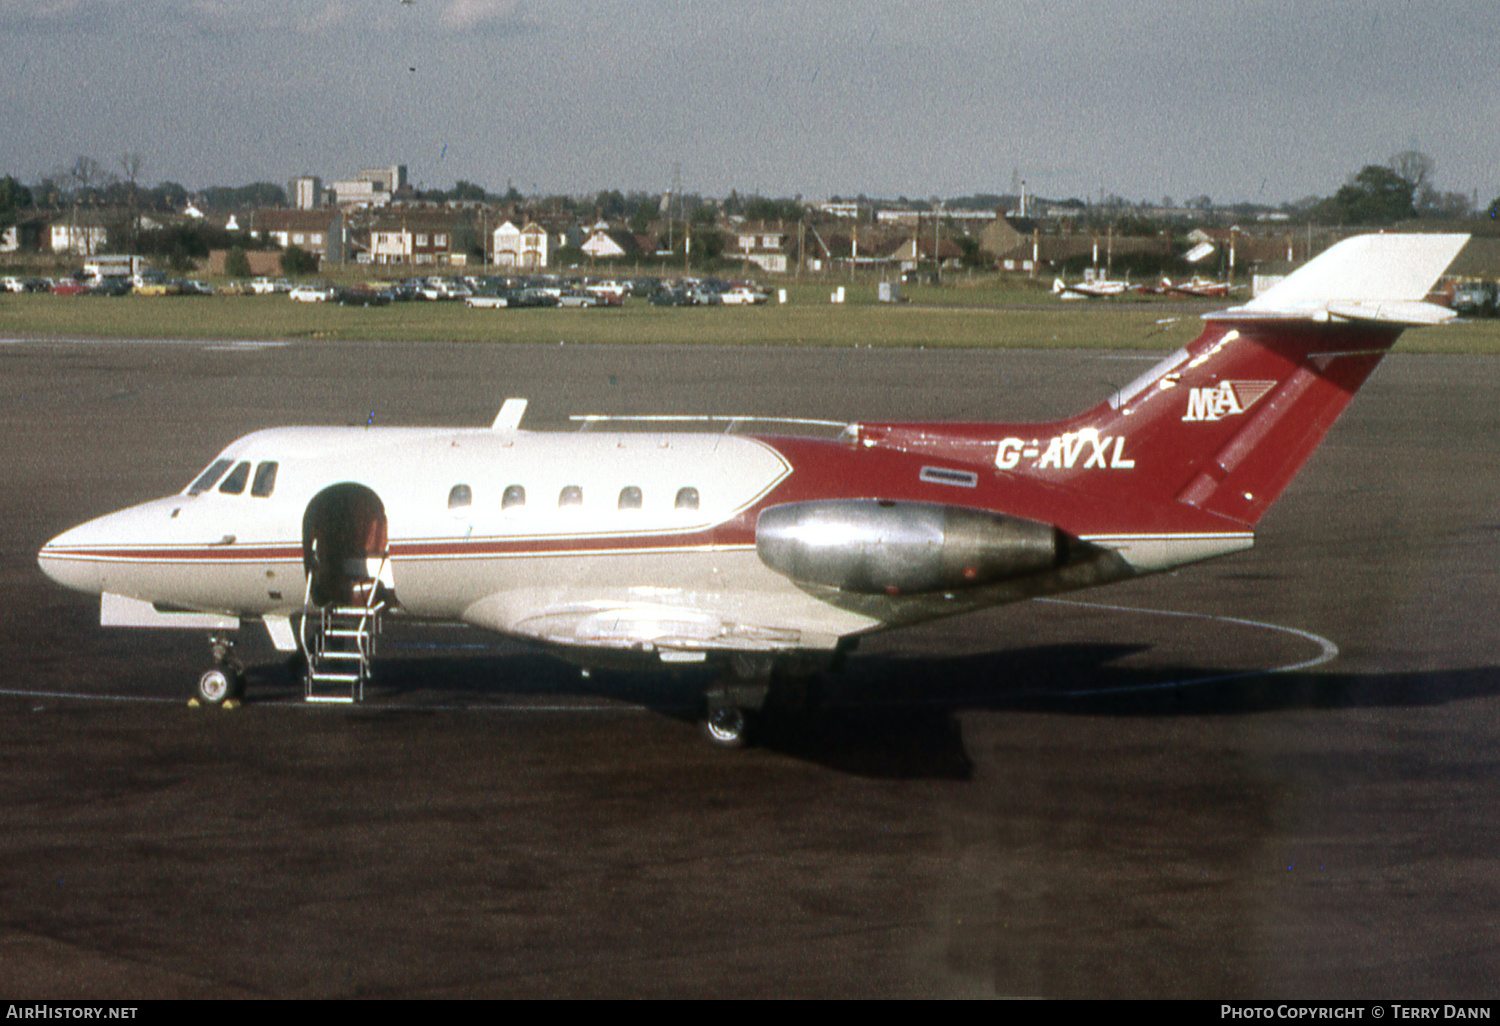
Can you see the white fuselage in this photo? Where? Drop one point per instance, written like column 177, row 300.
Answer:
column 595, row 539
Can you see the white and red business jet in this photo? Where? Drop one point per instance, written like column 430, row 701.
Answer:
column 762, row 552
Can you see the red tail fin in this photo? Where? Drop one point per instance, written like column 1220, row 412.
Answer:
column 1223, row 425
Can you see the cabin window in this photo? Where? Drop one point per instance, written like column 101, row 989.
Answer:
column 460, row 496
column 515, row 495
column 630, row 497
column 687, row 498
column 265, row 480
column 571, row 496
column 212, row 474
column 235, row 483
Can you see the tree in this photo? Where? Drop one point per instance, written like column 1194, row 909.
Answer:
column 610, row 204
column 130, row 166
column 256, row 194
column 296, row 261
column 13, row 196
column 463, row 191
column 237, row 264
column 645, row 213
column 86, row 176
column 1417, row 168
column 169, row 196
column 1413, row 167
column 1375, row 195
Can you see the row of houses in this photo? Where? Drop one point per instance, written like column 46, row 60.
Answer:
column 419, row 234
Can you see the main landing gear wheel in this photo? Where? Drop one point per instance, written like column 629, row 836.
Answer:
column 726, row 726
column 732, row 705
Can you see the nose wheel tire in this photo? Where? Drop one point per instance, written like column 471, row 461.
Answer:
column 219, row 685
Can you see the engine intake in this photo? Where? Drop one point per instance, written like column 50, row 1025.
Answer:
column 881, row 547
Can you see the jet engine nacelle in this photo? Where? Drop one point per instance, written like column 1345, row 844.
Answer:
column 882, row 547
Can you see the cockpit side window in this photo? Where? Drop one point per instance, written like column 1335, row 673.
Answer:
column 209, row 476
column 265, row 480
column 234, row 484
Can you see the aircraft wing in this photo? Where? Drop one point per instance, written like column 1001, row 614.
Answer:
column 640, row 626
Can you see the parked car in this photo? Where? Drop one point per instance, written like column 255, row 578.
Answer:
column 1475, row 299
column 443, row 289
column 269, row 286
column 492, row 301
column 363, row 295
column 743, row 295
column 578, row 300
column 109, row 287
column 314, row 293
column 69, row 287
column 192, row 287
column 672, row 297
column 614, row 290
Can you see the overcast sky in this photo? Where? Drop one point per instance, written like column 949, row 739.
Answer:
column 1260, row 100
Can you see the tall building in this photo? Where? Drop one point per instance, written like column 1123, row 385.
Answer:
column 306, row 192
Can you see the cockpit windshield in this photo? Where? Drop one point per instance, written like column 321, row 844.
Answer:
column 210, row 476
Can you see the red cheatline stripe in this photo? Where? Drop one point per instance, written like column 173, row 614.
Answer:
column 402, row 550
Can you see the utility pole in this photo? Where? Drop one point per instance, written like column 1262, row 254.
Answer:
column 937, row 247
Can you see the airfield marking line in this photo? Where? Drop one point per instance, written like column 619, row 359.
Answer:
column 1328, row 651
column 207, row 343
column 297, row 703
column 19, row 693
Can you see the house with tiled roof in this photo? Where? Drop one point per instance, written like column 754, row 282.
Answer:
column 767, row 246
column 414, row 237
column 319, row 231
column 524, row 248
column 605, row 243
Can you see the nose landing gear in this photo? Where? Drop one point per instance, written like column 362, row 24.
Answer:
column 224, row 685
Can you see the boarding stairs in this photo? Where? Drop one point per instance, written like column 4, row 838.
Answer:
column 338, row 642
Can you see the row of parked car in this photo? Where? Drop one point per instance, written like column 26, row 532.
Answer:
column 149, row 284
column 477, row 291
column 494, row 292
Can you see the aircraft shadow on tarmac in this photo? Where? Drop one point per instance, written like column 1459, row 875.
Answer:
column 898, row 717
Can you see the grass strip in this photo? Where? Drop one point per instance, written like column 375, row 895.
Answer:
column 1035, row 325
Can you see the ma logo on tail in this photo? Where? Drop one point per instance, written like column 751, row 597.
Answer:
column 1227, row 400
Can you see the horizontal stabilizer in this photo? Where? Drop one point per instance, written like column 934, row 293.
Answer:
column 1397, row 312
column 1375, row 278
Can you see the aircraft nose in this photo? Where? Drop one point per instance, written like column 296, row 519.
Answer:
column 64, row 561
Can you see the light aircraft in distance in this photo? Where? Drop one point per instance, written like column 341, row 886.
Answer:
column 1100, row 288
column 1202, row 288
column 764, row 555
